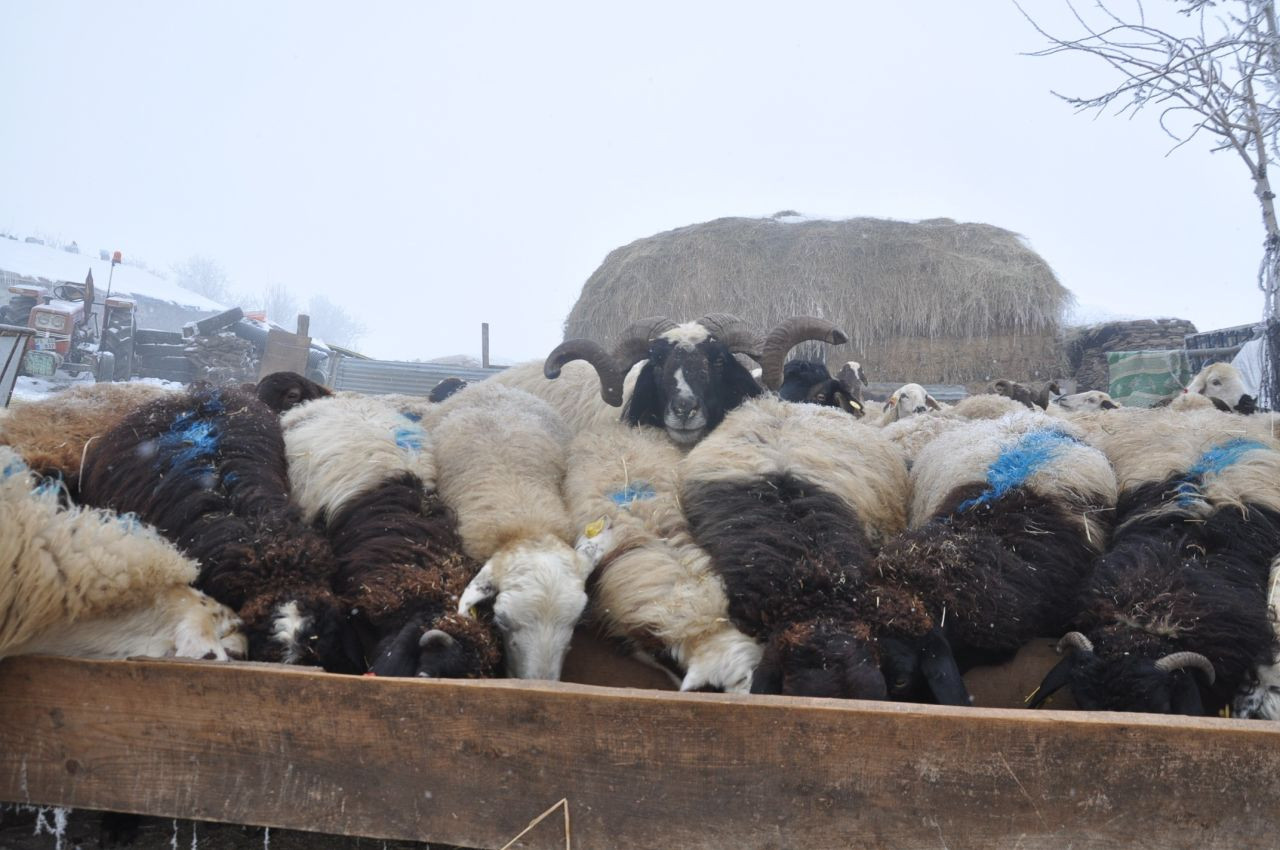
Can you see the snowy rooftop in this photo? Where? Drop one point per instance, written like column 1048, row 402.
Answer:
column 55, row 264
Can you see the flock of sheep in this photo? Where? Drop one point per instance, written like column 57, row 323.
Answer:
column 746, row 528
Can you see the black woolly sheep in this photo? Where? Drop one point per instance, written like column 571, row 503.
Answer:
column 207, row 469
column 365, row 472
column 1174, row 618
column 1007, row 516
column 789, row 501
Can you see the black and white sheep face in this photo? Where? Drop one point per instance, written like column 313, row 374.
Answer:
column 538, row 594
column 690, row 382
column 806, row 381
column 1090, row 401
column 1259, row 697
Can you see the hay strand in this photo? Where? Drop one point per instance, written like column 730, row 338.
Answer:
column 568, row 845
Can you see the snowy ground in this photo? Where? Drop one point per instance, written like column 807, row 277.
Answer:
column 33, row 389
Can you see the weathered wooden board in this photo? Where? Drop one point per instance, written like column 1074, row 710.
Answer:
column 284, row 352
column 472, row 763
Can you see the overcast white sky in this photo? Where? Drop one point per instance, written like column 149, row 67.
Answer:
column 434, row 165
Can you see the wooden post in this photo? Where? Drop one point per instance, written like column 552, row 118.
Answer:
column 304, row 324
column 484, row 344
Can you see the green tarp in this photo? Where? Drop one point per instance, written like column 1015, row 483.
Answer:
column 1141, row 378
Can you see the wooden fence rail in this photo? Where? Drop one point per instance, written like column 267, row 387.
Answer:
column 471, row 763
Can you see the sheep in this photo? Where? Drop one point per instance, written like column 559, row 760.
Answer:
column 985, row 406
column 500, row 465
column 94, row 584
column 1176, row 611
column 207, row 468
column 789, row 501
column 809, row 381
column 282, row 391
column 908, row 400
column 1259, row 694
column 691, row 378
column 1006, row 519
column 653, row 586
column 51, row 434
column 1031, row 397
column 365, row 472
column 575, row 394
column 1085, row 402
column 1224, row 382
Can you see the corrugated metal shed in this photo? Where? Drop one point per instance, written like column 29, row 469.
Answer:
column 390, row 376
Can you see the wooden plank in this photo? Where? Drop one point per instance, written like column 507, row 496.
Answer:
column 472, row 763
column 285, row 352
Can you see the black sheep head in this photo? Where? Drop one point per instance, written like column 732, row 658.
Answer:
column 809, row 382
column 691, row 381
column 691, row 377
column 922, row 669
column 444, row 389
column 282, row 391
column 447, row 647
column 820, row 658
column 1127, row 681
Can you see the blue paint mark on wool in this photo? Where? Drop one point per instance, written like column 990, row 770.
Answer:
column 1213, row 462
column 638, row 491
column 1018, row 462
column 411, row 416
column 189, row 446
column 13, row 467
column 410, row 437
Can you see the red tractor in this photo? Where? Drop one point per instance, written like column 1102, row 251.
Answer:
column 76, row 334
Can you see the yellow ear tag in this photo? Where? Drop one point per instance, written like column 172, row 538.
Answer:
column 471, row 612
column 854, row 405
column 1225, row 711
column 1029, row 697
column 594, row 529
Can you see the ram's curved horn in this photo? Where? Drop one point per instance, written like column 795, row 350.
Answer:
column 633, row 342
column 1181, row 660
column 605, row 364
column 1075, row 640
column 787, row 335
column 733, row 332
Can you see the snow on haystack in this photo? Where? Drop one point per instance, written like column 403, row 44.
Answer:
column 52, row 264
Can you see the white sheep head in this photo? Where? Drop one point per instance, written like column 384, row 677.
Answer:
column 1223, row 382
column 538, row 593
column 1086, row 401
column 909, row 400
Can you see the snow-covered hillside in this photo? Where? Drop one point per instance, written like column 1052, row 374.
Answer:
column 54, row 264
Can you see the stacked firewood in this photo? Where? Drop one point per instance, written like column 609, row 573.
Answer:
column 222, row 358
column 1087, row 348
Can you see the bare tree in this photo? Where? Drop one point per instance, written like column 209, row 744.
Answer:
column 1219, row 80
column 280, row 305
column 203, row 275
column 331, row 322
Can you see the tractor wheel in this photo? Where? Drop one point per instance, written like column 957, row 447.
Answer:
column 104, row 371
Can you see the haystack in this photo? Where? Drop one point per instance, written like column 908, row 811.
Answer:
column 934, row 301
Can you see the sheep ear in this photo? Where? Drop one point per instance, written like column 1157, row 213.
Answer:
column 1217, row 403
column 1108, row 404
column 1056, row 679
column 930, row 401
column 941, row 672
column 481, row 589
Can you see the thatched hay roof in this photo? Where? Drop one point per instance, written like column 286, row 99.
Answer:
column 878, row 280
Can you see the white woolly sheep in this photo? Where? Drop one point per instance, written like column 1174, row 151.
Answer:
column 500, row 466
column 90, row 583
column 653, row 587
